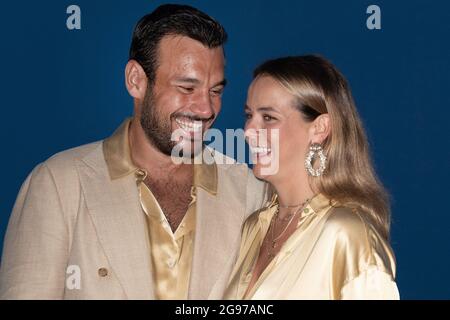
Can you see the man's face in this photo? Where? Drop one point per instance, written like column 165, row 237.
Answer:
column 186, row 95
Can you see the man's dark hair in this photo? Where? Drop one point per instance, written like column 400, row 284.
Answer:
column 172, row 19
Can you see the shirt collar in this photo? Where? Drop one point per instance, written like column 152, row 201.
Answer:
column 317, row 204
column 205, row 176
column 116, row 150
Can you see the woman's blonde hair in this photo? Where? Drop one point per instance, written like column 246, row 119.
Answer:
column 349, row 177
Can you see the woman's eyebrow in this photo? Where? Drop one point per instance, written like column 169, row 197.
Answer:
column 266, row 109
column 262, row 109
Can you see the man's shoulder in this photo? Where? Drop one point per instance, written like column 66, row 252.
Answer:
column 231, row 167
column 241, row 178
column 64, row 163
column 66, row 157
column 59, row 176
column 228, row 164
column 223, row 160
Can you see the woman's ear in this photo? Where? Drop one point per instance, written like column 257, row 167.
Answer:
column 135, row 80
column 320, row 128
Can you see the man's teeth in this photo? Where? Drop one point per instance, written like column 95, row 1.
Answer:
column 260, row 150
column 189, row 126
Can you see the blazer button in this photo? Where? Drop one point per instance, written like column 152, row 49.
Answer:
column 171, row 263
column 102, row 272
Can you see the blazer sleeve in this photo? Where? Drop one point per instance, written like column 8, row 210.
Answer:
column 36, row 245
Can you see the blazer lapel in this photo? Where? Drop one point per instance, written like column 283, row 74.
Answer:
column 120, row 224
column 219, row 221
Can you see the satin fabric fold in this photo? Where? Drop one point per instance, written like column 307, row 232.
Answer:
column 335, row 253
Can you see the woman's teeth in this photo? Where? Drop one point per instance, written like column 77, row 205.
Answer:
column 189, row 126
column 260, row 150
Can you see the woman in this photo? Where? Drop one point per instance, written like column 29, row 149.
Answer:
column 324, row 234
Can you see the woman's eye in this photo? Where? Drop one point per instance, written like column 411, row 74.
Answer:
column 268, row 118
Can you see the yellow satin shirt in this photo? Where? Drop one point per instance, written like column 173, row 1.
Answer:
column 171, row 252
column 335, row 253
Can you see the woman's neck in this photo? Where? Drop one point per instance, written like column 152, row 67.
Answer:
column 293, row 191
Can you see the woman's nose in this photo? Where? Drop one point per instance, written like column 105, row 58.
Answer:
column 251, row 134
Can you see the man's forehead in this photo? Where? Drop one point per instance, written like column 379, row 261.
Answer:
column 179, row 54
column 177, row 47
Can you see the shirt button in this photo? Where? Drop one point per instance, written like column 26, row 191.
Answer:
column 102, row 272
column 140, row 173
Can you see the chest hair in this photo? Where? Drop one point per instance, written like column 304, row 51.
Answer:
column 173, row 198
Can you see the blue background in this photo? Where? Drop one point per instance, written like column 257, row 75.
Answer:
column 61, row 89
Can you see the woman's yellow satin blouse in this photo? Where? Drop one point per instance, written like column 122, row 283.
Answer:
column 335, row 253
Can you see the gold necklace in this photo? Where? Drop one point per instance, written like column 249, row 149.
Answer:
column 274, row 240
column 290, row 206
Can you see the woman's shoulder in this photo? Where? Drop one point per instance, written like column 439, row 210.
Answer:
column 349, row 222
column 351, row 232
column 346, row 221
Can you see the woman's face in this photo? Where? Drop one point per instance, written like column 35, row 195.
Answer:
column 270, row 113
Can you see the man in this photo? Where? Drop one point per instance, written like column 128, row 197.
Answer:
column 119, row 219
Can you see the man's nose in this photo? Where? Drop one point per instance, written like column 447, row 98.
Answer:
column 203, row 105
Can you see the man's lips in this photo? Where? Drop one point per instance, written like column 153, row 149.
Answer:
column 189, row 126
column 192, row 128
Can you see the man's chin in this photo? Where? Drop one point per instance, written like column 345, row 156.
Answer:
column 189, row 151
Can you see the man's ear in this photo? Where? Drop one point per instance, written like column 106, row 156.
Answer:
column 320, row 128
column 135, row 80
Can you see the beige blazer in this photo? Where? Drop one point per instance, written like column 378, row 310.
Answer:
column 70, row 219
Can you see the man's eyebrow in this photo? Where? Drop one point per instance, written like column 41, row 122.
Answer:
column 187, row 80
column 196, row 81
column 221, row 83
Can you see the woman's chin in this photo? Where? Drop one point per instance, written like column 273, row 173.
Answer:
column 262, row 173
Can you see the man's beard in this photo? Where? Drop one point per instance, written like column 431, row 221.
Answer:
column 158, row 130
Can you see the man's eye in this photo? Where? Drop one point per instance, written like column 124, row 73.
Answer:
column 217, row 92
column 248, row 116
column 186, row 89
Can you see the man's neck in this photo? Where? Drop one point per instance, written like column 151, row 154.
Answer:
column 148, row 157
